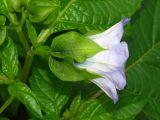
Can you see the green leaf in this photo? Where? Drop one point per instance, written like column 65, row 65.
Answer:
column 74, row 45
column 127, row 108
column 10, row 59
column 86, row 15
column 143, row 68
column 65, row 70
column 52, row 94
column 23, row 93
column 90, row 109
column 152, row 109
column 32, row 34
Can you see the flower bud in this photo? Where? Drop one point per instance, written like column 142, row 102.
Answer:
column 16, row 5
column 44, row 11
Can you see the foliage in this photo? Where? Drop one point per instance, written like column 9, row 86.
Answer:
column 40, row 39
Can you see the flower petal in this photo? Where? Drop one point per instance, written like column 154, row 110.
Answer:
column 110, row 37
column 115, row 56
column 108, row 87
column 109, row 63
column 95, row 67
column 126, row 21
column 118, row 78
column 114, row 74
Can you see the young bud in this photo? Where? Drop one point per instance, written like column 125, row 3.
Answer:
column 16, row 5
column 44, row 11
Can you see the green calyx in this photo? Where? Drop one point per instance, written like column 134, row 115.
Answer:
column 74, row 45
column 68, row 49
column 16, row 5
column 44, row 11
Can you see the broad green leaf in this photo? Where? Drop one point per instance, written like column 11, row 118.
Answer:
column 89, row 109
column 52, row 94
column 74, row 45
column 23, row 93
column 127, row 108
column 65, row 70
column 32, row 34
column 152, row 109
column 86, row 15
column 143, row 68
column 10, row 59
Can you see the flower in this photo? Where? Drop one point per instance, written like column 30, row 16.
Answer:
column 109, row 63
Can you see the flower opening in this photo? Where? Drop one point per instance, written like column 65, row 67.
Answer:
column 109, row 63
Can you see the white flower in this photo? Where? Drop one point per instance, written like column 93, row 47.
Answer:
column 109, row 63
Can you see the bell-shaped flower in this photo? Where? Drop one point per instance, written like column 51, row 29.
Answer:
column 109, row 63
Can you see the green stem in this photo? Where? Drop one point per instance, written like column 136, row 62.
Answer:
column 27, row 67
column 45, row 33
column 98, row 93
column 23, row 39
column 6, row 104
column 24, row 17
column 20, row 33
